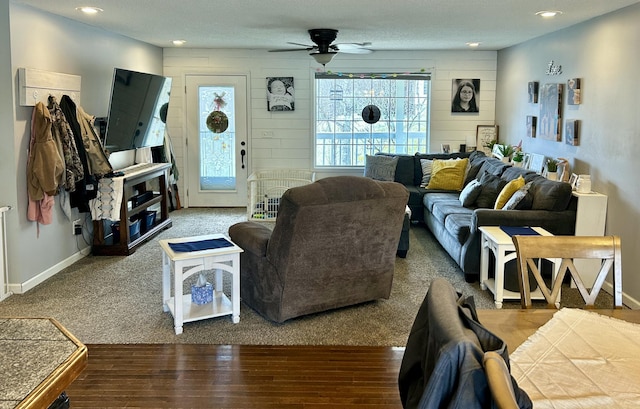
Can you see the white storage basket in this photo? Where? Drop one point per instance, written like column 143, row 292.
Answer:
column 265, row 188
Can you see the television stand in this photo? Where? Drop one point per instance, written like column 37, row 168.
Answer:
column 137, row 199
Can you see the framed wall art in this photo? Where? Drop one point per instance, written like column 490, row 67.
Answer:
column 485, row 134
column 573, row 91
column 280, row 94
column 571, row 132
column 533, row 92
column 550, row 124
column 465, row 96
column 532, row 123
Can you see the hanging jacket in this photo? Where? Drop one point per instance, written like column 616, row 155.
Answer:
column 86, row 188
column 44, row 164
column 96, row 158
column 63, row 135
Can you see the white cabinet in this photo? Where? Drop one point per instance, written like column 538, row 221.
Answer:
column 591, row 216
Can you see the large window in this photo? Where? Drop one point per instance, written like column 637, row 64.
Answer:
column 343, row 138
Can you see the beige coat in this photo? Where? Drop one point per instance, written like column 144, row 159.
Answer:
column 44, row 165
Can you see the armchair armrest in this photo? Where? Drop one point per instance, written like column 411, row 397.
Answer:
column 251, row 237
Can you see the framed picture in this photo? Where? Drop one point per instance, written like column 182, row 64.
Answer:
column 550, row 124
column 280, row 94
column 465, row 96
column 533, row 92
column 536, row 162
column 485, row 134
column 532, row 123
column 573, row 91
column 526, row 160
column 446, row 148
column 571, row 132
column 573, row 181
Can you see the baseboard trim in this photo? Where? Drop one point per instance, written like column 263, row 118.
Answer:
column 627, row 300
column 48, row 273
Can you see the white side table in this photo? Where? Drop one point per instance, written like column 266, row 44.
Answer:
column 591, row 216
column 494, row 239
column 186, row 264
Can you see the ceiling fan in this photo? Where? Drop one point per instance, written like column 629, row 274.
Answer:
column 325, row 50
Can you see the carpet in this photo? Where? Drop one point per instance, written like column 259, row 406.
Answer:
column 118, row 299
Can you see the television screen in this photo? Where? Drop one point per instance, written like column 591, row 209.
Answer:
column 137, row 111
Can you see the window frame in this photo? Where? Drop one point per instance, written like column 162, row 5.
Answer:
column 357, row 151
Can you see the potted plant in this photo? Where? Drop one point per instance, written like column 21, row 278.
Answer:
column 552, row 169
column 518, row 157
column 506, row 151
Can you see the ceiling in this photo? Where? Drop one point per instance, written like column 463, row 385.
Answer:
column 388, row 25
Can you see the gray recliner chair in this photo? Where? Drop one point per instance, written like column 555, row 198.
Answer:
column 333, row 245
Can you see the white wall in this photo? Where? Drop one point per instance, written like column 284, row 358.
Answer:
column 45, row 42
column 292, row 143
column 604, row 53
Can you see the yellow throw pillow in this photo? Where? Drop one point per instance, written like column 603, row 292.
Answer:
column 448, row 174
column 507, row 191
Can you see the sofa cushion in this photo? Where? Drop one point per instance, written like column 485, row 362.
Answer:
column 459, row 225
column 444, row 209
column 491, row 187
column 512, row 173
column 432, row 198
column 550, row 195
column 520, row 200
column 448, row 174
column 470, row 193
column 492, row 166
column 426, row 165
column 380, row 167
column 507, row 191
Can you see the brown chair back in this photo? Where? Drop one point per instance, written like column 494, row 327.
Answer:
column 606, row 249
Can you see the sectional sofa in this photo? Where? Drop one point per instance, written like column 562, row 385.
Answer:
column 545, row 203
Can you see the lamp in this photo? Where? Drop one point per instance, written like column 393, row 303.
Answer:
column 323, row 58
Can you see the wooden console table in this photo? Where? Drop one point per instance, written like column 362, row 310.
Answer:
column 135, row 183
column 40, row 358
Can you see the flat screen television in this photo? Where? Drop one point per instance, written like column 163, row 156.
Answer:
column 137, row 110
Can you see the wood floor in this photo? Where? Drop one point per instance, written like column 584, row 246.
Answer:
column 238, row 376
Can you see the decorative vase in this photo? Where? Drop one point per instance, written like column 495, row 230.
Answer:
column 506, row 159
column 552, row 175
column 517, row 164
column 584, row 184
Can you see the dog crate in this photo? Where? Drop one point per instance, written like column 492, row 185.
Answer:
column 266, row 187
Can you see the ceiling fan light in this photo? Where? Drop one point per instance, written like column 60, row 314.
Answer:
column 323, row 58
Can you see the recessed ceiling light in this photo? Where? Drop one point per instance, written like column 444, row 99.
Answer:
column 89, row 9
column 178, row 42
column 548, row 13
column 473, row 44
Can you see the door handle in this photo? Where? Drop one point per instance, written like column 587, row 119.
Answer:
column 242, row 153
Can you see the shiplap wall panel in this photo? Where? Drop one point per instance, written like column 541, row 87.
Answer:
column 292, row 142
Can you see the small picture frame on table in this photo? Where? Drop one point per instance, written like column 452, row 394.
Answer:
column 446, row 148
column 573, row 181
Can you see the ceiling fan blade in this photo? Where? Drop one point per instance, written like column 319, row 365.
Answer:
column 354, row 48
column 284, row 50
column 301, row 45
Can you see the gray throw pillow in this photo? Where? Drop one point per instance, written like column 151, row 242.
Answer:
column 426, row 165
column 470, row 193
column 381, row 167
column 491, row 187
column 520, row 200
